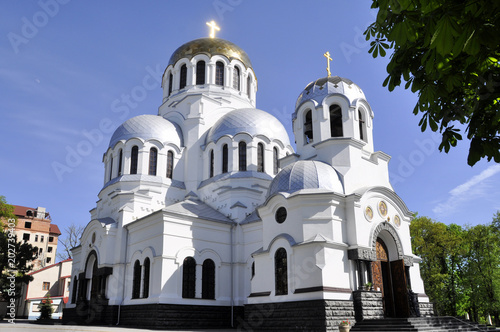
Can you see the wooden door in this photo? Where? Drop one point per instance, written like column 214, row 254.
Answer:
column 399, row 288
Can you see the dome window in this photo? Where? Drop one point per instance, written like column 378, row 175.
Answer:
column 183, row 80
column 111, row 168
column 120, row 160
column 219, row 73
column 170, row 164
column 200, row 72
column 170, row 82
column 242, row 155
column 275, row 160
column 153, row 160
column 134, row 156
column 249, row 85
column 260, row 157
column 236, row 78
column 308, row 127
column 336, row 121
column 225, row 158
column 211, row 171
column 280, row 215
column 362, row 126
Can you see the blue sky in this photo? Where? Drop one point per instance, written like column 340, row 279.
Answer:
column 67, row 65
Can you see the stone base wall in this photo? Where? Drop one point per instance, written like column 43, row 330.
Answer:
column 426, row 309
column 368, row 305
column 316, row 315
column 157, row 316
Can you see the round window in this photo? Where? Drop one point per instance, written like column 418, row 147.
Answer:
column 280, row 215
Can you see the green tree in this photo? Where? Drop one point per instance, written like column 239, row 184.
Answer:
column 448, row 52
column 45, row 307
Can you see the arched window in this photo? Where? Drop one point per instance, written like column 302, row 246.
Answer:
column 225, row 159
column 183, row 78
column 170, row 82
column 362, row 127
column 275, row 160
column 208, row 280
column 134, row 156
column 153, row 159
column 170, row 164
column 219, row 73
column 136, row 280
column 280, row 272
column 111, row 168
column 249, row 86
column 188, row 278
column 200, row 72
column 75, row 289
column 253, row 269
column 236, row 78
column 211, row 170
column 145, row 288
column 260, row 157
column 336, row 121
column 242, row 155
column 120, row 161
column 308, row 127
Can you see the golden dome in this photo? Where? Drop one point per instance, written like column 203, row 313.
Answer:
column 210, row 47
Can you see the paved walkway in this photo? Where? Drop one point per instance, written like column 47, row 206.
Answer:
column 25, row 326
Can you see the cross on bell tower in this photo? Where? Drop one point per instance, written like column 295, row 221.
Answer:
column 328, row 59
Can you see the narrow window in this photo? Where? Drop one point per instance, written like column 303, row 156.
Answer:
column 200, row 73
column 275, row 160
column 188, row 278
column 120, row 160
column 136, row 281
column 236, row 78
column 182, row 83
column 145, row 288
column 308, row 127
column 225, row 160
column 170, row 83
column 361, row 126
column 41, row 238
column 51, row 239
column 134, row 156
column 49, row 259
column 36, row 237
column 249, row 86
column 253, row 269
column 260, row 157
column 170, row 164
column 219, row 73
column 336, row 121
column 49, row 249
column 111, row 168
column 75, row 289
column 208, row 280
column 242, row 154
column 211, row 171
column 153, row 158
column 280, row 272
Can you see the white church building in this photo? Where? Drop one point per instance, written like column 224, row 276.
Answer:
column 208, row 217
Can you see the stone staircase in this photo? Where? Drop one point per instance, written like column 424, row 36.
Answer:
column 420, row 324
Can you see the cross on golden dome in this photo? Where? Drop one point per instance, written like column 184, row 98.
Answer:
column 328, row 59
column 213, row 26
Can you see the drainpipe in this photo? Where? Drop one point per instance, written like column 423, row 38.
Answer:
column 232, row 277
column 124, row 273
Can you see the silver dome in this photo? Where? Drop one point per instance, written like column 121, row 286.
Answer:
column 325, row 86
column 251, row 121
column 148, row 127
column 306, row 174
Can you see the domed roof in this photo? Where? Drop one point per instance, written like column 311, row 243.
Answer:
column 251, row 121
column 306, row 174
column 148, row 127
column 325, row 86
column 210, row 46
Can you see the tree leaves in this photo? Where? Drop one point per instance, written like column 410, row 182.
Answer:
column 447, row 52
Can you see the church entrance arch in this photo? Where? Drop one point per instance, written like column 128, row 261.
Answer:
column 388, row 275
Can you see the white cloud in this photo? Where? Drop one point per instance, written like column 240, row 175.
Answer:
column 472, row 189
